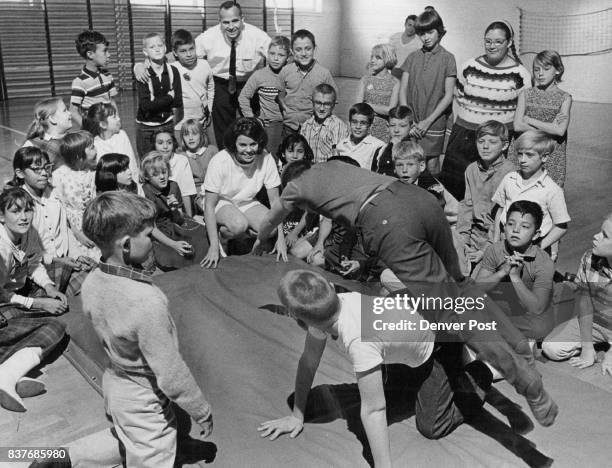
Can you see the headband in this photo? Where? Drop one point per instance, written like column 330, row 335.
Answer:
column 510, row 28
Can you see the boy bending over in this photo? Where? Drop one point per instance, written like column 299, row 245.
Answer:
column 130, row 316
column 310, row 299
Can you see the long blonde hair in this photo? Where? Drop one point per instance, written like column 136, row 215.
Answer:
column 42, row 111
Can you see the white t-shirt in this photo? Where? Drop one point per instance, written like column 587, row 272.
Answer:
column 239, row 184
column 198, row 89
column 118, row 143
column 180, row 172
column 363, row 152
column 365, row 355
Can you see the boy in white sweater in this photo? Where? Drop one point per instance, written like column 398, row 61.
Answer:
column 130, row 315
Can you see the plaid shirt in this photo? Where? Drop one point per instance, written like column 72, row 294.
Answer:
column 135, row 274
column 595, row 277
column 323, row 137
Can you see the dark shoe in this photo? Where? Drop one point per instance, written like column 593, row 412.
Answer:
column 543, row 408
column 27, row 387
column 11, row 401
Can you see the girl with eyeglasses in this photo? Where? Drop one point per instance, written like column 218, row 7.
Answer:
column 32, row 172
column 487, row 88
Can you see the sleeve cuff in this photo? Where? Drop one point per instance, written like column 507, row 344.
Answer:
column 24, row 301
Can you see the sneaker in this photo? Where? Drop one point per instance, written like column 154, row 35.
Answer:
column 544, row 409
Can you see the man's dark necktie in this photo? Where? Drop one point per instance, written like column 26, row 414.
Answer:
column 231, row 87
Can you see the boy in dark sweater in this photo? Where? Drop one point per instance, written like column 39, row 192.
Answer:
column 130, row 316
column 159, row 99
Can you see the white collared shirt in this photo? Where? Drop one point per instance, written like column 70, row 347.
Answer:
column 363, row 152
column 51, row 223
column 251, row 50
column 543, row 191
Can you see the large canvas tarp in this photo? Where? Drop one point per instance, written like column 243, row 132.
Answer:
column 244, row 355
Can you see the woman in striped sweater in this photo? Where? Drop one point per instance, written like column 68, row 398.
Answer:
column 487, row 89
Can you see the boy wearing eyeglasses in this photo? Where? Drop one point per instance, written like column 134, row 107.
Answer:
column 323, row 130
column 360, row 145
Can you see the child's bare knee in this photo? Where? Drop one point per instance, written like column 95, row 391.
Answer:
column 237, row 226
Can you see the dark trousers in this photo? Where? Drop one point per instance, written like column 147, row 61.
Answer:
column 144, row 136
column 442, row 399
column 225, row 109
column 460, row 152
column 406, row 228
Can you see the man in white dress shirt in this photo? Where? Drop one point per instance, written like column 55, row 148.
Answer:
column 234, row 49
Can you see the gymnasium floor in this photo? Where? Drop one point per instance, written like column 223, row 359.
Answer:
column 57, row 419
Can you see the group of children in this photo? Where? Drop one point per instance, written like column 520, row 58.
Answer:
column 178, row 200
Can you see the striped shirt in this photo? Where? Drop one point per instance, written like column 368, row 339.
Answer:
column 267, row 85
column 488, row 93
column 90, row 88
column 323, row 137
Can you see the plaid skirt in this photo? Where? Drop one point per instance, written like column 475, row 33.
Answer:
column 23, row 331
column 27, row 328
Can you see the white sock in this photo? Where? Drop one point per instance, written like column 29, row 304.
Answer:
column 15, row 367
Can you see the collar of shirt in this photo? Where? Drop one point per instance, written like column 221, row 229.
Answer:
column 197, row 154
column 94, row 74
column 492, row 167
column 305, row 71
column 133, row 273
column 42, row 200
column 601, row 265
column 520, row 182
column 164, row 71
column 435, row 50
column 17, row 252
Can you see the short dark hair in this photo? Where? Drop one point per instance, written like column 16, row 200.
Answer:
column 289, row 143
column 72, row 147
column 362, row 108
column 88, row 41
column 229, row 4
column 15, row 196
column 302, row 34
column 107, row 169
column 527, row 207
column 96, row 114
column 154, row 136
column 325, row 88
column 181, row 37
column 410, row 17
column 293, row 171
column 113, row 215
column 249, row 127
column 401, row 112
column 345, row 159
column 493, row 128
column 25, row 157
column 428, row 20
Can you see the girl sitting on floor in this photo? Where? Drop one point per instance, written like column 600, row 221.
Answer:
column 74, row 186
column 180, row 171
column 32, row 172
column 26, row 292
column 234, row 177
column 113, row 173
column 104, row 124
column 52, row 120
